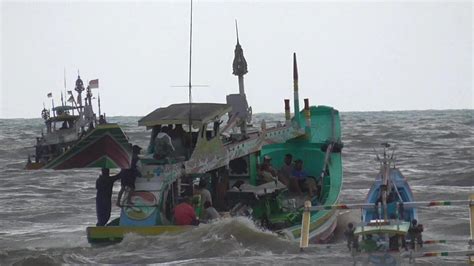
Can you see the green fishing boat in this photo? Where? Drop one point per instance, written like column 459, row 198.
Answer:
column 76, row 137
column 237, row 164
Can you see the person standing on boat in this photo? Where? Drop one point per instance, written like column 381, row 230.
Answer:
column 203, row 195
column 204, row 192
column 102, row 120
column 103, row 200
column 184, row 213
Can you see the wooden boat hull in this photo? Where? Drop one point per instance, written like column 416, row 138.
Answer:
column 325, row 125
column 106, row 146
column 312, row 148
column 105, row 234
column 405, row 192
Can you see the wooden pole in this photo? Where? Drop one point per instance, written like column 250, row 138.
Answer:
column 304, row 240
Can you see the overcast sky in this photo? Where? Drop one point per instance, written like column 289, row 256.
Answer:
column 353, row 56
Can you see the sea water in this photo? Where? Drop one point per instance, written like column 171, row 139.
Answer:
column 44, row 213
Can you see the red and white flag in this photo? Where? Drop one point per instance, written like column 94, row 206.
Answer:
column 94, row 84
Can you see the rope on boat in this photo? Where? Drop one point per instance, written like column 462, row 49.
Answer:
column 446, row 253
column 425, row 242
column 405, row 205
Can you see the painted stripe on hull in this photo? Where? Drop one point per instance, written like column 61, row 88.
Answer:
column 105, row 145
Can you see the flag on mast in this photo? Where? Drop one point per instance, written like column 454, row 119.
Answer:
column 50, row 95
column 94, row 84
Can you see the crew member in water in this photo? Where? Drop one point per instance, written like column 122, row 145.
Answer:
column 103, row 200
column 352, row 239
column 414, row 234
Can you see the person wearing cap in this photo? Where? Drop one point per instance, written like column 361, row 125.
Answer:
column 266, row 171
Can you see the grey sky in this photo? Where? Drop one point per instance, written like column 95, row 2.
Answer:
column 353, row 56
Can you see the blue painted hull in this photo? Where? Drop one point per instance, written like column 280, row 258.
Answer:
column 407, row 214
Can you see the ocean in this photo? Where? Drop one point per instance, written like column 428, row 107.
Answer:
column 44, row 213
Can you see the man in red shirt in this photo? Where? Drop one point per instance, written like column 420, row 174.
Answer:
column 184, row 213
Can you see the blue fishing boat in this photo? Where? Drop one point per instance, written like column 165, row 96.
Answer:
column 390, row 191
column 385, row 227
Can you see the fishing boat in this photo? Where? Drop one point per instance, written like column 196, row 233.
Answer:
column 390, row 232
column 384, row 229
column 225, row 154
column 75, row 137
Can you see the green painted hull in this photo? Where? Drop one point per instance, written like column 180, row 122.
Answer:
column 311, row 148
column 106, row 146
column 325, row 128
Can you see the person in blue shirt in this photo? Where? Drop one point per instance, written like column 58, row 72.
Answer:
column 303, row 181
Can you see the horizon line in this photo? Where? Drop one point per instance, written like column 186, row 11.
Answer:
column 370, row 111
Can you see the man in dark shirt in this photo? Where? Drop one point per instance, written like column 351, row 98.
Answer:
column 104, row 186
column 128, row 177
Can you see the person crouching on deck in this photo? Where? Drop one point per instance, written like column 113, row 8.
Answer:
column 128, row 177
column 184, row 213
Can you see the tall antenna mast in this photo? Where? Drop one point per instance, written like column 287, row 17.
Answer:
column 189, row 81
column 65, row 90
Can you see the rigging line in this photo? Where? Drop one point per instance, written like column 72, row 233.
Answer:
column 189, row 80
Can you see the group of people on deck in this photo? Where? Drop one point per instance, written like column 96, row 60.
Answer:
column 291, row 174
column 185, row 214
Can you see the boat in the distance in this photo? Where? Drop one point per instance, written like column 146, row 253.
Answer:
column 231, row 153
column 76, row 137
column 390, row 232
column 386, row 228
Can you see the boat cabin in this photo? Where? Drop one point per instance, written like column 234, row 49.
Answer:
column 174, row 121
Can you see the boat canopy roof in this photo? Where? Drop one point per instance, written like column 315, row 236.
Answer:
column 63, row 108
column 201, row 113
column 63, row 117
